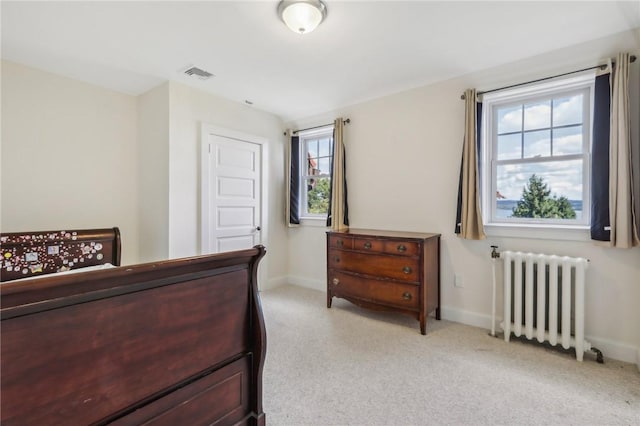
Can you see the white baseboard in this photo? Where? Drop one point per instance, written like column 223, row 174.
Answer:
column 615, row 350
column 274, row 282
column 319, row 285
column 610, row 349
column 466, row 317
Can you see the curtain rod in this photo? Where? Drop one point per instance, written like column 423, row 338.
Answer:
column 632, row 59
column 347, row 121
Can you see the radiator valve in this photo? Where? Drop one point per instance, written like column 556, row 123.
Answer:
column 494, row 252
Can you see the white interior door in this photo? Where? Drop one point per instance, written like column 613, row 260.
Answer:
column 232, row 191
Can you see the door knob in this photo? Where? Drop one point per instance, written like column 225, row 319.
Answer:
column 258, row 228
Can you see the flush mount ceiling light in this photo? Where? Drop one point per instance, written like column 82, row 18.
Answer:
column 302, row 16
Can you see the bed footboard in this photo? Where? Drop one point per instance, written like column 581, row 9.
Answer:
column 175, row 342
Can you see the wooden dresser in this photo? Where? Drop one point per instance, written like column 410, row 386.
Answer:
column 385, row 270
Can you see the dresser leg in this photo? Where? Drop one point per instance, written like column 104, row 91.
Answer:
column 438, row 313
column 423, row 326
column 329, row 299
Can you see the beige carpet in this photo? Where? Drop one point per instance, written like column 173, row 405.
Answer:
column 348, row 366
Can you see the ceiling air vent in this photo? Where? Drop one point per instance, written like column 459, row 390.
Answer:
column 198, row 72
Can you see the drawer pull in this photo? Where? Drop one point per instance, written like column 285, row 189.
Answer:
column 406, row 269
column 406, row 295
column 336, row 259
column 402, row 248
column 367, row 245
column 340, row 243
column 336, row 281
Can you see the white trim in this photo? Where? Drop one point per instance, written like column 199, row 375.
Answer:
column 466, row 317
column 274, row 283
column 538, row 232
column 315, row 132
column 544, row 229
column 319, row 285
column 207, row 130
column 314, row 222
column 303, row 137
column 614, row 350
column 610, row 349
column 542, row 89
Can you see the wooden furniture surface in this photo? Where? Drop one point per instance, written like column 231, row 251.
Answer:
column 385, row 270
column 35, row 253
column 177, row 342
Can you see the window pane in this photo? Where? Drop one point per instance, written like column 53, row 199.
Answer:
column 312, row 164
column 325, row 165
column 562, row 179
column 318, row 195
column 537, row 144
column 510, row 147
column 325, row 147
column 537, row 115
column 510, row 119
column 312, row 147
column 567, row 110
column 567, row 140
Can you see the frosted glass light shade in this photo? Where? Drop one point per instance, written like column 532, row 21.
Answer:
column 302, row 16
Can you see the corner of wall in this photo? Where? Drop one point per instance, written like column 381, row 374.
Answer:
column 153, row 170
column 274, row 283
column 467, row 317
column 312, row 284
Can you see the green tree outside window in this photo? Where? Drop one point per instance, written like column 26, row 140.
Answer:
column 537, row 202
column 318, row 196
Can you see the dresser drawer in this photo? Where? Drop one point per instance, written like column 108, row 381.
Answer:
column 340, row 242
column 405, row 248
column 379, row 291
column 379, row 265
column 368, row 244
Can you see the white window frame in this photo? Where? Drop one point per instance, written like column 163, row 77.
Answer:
column 538, row 228
column 304, row 137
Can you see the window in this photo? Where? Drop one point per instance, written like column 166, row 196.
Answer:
column 536, row 147
column 316, row 151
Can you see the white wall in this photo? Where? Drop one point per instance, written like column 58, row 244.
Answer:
column 189, row 108
column 79, row 156
column 68, row 156
column 403, row 159
column 153, row 173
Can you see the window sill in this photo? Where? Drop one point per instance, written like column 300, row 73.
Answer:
column 540, row 232
column 314, row 222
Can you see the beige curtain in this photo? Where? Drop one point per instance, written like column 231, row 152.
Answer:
column 471, row 227
column 338, row 190
column 287, row 208
column 624, row 233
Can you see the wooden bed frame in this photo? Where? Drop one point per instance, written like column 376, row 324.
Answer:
column 177, row 342
column 29, row 254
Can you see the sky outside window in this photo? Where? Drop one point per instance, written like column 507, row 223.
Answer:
column 541, row 130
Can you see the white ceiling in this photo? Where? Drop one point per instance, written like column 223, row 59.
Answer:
column 363, row 50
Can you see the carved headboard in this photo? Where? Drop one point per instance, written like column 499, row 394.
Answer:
column 28, row 254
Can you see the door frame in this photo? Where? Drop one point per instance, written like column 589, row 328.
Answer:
column 207, row 130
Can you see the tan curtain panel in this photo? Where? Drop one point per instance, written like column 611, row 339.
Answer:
column 471, row 226
column 624, row 233
column 338, row 189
